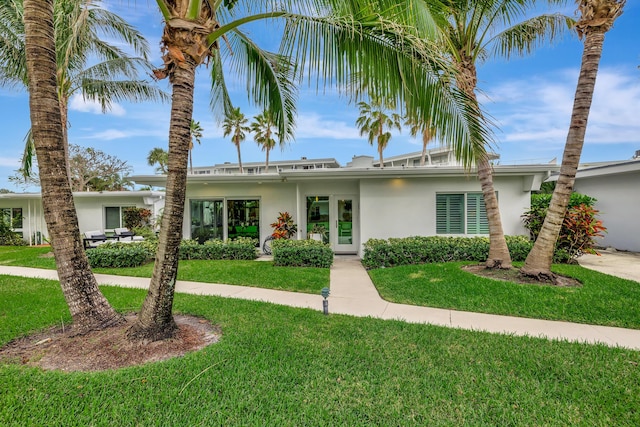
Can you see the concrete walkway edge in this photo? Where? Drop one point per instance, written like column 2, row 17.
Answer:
column 353, row 293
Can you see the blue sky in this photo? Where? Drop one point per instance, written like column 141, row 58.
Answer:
column 529, row 99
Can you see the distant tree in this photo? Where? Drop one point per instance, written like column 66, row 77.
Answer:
column 159, row 158
column 235, row 124
column 375, row 118
column 196, row 134
column 428, row 132
column 265, row 134
column 6, row 191
column 95, row 170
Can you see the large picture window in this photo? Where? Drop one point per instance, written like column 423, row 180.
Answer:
column 13, row 217
column 462, row 213
column 114, row 216
column 206, row 220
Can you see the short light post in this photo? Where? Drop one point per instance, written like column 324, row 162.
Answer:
column 325, row 303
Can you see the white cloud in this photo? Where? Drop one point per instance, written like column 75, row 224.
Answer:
column 311, row 125
column 77, row 103
column 10, row 162
column 538, row 110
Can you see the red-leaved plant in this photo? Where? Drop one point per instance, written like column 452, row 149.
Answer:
column 284, row 227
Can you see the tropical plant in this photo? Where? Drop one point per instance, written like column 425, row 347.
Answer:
column 330, row 39
column 159, row 157
column 196, row 134
column 235, row 124
column 87, row 63
column 374, row 118
column 596, row 18
column 264, row 133
column 427, row 132
column 89, row 308
column 475, row 31
column 284, row 227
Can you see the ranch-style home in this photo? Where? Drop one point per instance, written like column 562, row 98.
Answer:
column 616, row 186
column 353, row 203
column 96, row 210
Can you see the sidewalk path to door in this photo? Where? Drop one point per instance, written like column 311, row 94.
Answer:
column 353, row 293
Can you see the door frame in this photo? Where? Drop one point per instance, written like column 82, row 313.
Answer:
column 334, row 241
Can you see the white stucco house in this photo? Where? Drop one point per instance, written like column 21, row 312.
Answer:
column 616, row 186
column 353, row 203
column 96, row 210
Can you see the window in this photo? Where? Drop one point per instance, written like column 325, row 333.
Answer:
column 462, row 213
column 206, row 220
column 114, row 216
column 244, row 218
column 13, row 217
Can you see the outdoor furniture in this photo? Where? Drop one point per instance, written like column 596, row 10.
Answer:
column 126, row 235
column 95, row 238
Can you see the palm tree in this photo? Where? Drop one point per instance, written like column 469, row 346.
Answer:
column 196, row 134
column 373, row 120
column 263, row 128
column 86, row 63
column 159, row 157
column 474, row 31
column 235, row 124
column 89, row 309
column 428, row 132
column 596, row 18
column 332, row 39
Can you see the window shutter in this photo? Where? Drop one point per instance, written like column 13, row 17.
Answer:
column 450, row 213
column 477, row 222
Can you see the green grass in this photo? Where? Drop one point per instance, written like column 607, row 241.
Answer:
column 283, row 366
column 244, row 273
column 602, row 300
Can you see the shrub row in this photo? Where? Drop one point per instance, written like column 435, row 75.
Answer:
column 301, row 253
column 420, row 250
column 120, row 255
column 242, row 248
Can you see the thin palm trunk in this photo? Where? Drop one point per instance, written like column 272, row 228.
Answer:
column 426, row 137
column 266, row 166
column 155, row 320
column 539, row 260
column 237, row 142
column 499, row 256
column 89, row 309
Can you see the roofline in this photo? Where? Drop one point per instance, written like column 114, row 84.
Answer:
column 82, row 194
column 627, row 166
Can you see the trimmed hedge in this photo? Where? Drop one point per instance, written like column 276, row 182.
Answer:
column 421, row 250
column 242, row 248
column 301, row 253
column 120, row 255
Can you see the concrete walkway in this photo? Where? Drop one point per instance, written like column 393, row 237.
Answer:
column 353, row 293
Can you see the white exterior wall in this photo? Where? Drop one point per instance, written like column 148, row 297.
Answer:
column 91, row 213
column 619, row 203
column 402, row 207
column 274, row 198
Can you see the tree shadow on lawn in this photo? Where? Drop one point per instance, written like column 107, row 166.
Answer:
column 513, row 275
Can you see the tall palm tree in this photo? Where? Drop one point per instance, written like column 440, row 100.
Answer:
column 235, row 124
column 374, row 119
column 196, row 134
column 596, row 18
column 427, row 132
column 474, row 31
column 332, row 39
column 265, row 134
column 158, row 156
column 89, row 309
column 86, row 63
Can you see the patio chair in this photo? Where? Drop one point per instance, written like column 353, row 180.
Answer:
column 95, row 238
column 126, row 235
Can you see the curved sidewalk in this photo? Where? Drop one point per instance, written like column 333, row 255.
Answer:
column 353, row 293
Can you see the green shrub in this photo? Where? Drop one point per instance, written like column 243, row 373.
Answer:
column 136, row 217
column 301, row 253
column 8, row 237
column 120, row 255
column 420, row 250
column 579, row 227
column 242, row 248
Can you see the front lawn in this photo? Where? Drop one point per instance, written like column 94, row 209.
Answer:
column 284, row 366
column 601, row 300
column 243, row 273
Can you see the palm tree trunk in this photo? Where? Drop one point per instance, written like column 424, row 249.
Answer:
column 89, row 309
column 539, row 260
column 155, row 320
column 239, row 157
column 499, row 256
column 267, row 163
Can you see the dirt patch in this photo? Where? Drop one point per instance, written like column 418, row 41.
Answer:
column 514, row 275
column 60, row 349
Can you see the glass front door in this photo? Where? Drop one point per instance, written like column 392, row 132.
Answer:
column 344, row 212
column 331, row 219
column 318, row 218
